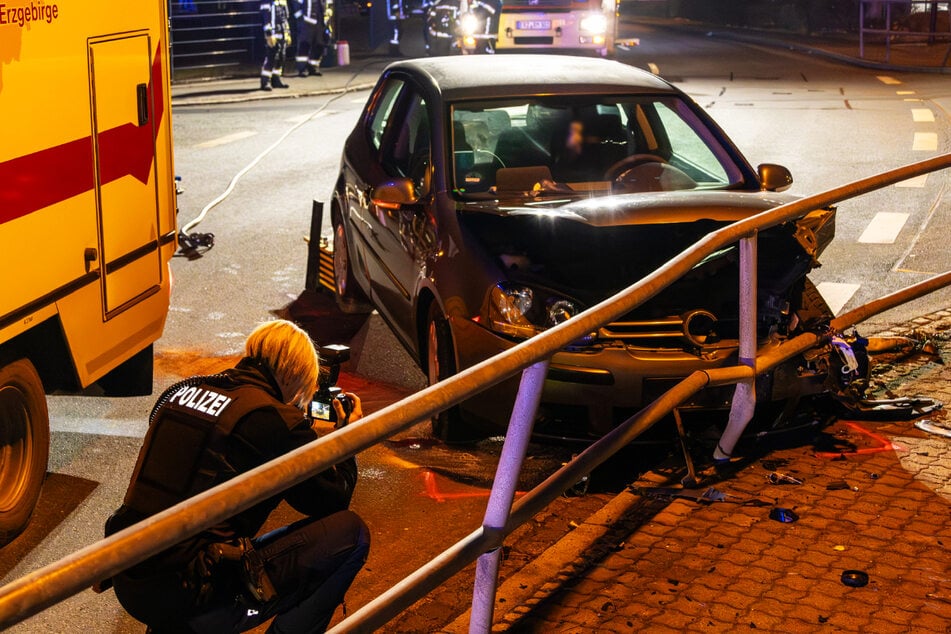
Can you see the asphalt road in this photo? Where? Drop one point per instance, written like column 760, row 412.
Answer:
column 828, row 123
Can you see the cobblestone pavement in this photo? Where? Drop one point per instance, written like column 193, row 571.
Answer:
column 673, row 566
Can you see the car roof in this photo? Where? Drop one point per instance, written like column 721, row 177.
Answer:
column 488, row 76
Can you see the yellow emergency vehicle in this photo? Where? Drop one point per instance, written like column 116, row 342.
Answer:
column 87, row 215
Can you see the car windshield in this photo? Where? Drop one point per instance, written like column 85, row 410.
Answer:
column 563, row 145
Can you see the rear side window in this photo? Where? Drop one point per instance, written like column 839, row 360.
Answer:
column 382, row 110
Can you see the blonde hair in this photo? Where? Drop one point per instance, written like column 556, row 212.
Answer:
column 290, row 354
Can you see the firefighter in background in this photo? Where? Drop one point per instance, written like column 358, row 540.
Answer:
column 396, row 12
column 311, row 36
column 277, row 37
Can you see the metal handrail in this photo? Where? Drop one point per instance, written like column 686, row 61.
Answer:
column 40, row 589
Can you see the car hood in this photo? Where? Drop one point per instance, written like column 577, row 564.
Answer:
column 639, row 209
column 587, row 250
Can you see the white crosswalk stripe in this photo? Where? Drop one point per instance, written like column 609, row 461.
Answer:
column 884, row 228
column 837, row 294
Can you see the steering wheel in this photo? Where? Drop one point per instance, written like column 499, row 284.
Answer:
column 617, row 170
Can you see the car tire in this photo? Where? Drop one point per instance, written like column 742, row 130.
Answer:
column 448, row 425
column 24, row 445
column 350, row 298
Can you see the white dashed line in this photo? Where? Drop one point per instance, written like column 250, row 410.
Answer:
column 836, row 294
column 904, row 92
column 654, row 68
column 925, row 142
column 917, row 181
column 228, row 138
column 359, row 100
column 884, row 228
column 885, row 79
column 922, row 115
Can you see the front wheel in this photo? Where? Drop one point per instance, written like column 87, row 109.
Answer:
column 350, row 299
column 24, row 445
column 448, row 425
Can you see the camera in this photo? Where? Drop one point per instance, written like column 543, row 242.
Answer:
column 321, row 406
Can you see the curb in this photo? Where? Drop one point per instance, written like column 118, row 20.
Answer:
column 836, row 57
column 764, row 40
column 264, row 96
column 515, row 593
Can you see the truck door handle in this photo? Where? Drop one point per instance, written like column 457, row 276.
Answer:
column 142, row 101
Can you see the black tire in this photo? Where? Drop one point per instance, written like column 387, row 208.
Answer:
column 440, row 360
column 350, row 298
column 24, row 445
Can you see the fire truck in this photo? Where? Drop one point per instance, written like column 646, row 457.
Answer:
column 573, row 25
column 87, row 216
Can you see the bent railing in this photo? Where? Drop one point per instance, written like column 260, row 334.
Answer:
column 55, row 582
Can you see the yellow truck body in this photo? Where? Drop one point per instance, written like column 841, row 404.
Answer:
column 87, row 196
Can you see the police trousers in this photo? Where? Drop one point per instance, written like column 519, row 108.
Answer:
column 310, row 563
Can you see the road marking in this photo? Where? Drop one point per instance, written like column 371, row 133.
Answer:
column 653, row 68
column 925, row 142
column 359, row 100
column 130, row 428
column 837, row 294
column 922, row 115
column 917, row 181
column 915, row 100
column 904, row 92
column 228, row 138
column 885, row 79
column 884, row 228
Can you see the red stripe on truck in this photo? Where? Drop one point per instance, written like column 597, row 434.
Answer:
column 35, row 181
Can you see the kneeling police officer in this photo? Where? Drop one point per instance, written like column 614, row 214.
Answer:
column 206, row 430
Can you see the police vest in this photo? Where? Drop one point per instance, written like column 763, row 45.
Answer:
column 185, row 449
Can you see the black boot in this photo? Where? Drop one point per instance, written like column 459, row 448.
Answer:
column 265, row 85
column 277, row 83
column 314, row 71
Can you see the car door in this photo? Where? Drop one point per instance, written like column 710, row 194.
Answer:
column 362, row 170
column 405, row 153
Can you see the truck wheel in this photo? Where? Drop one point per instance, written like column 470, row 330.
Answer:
column 350, row 299
column 24, row 445
column 448, row 425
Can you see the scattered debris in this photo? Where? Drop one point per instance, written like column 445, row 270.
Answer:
column 839, row 547
column 873, row 476
column 902, row 408
column 855, row 578
column 777, row 477
column 786, row 516
column 838, row 485
column 940, row 428
column 708, row 495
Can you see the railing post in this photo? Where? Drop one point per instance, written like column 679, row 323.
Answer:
column 744, row 396
column 503, row 492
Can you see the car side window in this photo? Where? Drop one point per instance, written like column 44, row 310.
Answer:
column 383, row 109
column 408, row 151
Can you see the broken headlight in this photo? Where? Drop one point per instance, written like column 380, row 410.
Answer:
column 521, row 311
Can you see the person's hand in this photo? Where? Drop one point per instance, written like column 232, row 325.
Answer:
column 356, row 410
column 287, row 38
column 270, row 40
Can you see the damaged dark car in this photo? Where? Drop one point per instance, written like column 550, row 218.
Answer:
column 483, row 200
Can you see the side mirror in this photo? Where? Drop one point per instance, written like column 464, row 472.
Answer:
column 394, row 193
column 774, row 178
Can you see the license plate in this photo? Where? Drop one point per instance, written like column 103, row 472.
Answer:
column 533, row 25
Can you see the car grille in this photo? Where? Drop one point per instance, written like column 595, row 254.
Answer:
column 694, row 329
